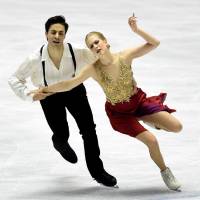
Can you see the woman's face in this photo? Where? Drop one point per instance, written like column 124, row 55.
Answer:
column 97, row 45
column 56, row 34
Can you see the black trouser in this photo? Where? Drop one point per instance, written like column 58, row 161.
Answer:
column 76, row 102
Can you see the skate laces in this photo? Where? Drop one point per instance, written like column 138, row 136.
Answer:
column 170, row 176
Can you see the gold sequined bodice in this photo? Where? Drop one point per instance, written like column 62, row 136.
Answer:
column 120, row 90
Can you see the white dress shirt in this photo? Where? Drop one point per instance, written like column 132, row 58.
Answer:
column 32, row 68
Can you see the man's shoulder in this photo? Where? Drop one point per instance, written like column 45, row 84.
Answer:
column 80, row 52
column 38, row 52
column 34, row 56
column 76, row 46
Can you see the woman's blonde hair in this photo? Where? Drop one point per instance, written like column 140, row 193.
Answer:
column 99, row 34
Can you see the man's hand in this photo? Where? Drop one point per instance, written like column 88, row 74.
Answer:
column 38, row 94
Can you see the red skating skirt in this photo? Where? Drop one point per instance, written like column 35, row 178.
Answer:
column 124, row 117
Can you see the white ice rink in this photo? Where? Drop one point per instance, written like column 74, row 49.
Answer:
column 30, row 168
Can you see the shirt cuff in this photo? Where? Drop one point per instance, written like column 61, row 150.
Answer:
column 28, row 97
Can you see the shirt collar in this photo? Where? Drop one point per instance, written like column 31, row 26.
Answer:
column 45, row 54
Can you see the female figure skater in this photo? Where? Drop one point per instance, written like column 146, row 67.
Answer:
column 127, row 104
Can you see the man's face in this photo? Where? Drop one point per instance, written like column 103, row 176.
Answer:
column 56, row 35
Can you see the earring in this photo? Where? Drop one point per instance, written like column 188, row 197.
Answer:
column 108, row 46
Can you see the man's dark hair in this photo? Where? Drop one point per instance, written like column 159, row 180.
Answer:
column 58, row 19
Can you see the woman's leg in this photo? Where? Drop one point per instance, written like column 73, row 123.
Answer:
column 150, row 140
column 163, row 120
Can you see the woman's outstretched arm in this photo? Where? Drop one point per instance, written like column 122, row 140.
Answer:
column 151, row 42
column 85, row 73
column 67, row 85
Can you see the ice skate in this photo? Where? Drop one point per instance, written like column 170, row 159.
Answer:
column 170, row 180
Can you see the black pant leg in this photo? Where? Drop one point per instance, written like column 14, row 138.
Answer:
column 79, row 107
column 55, row 113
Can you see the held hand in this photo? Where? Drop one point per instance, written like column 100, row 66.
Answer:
column 39, row 90
column 39, row 94
column 132, row 23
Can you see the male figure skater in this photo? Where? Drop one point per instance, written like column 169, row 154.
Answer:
column 57, row 61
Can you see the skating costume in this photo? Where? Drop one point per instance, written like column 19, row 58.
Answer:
column 126, row 103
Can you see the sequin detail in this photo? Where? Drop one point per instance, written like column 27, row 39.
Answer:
column 120, row 90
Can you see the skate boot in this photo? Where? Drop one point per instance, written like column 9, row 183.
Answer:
column 170, row 180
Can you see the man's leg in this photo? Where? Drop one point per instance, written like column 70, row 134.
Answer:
column 55, row 114
column 79, row 107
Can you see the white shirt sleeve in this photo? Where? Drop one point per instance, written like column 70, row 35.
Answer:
column 87, row 56
column 18, row 82
column 83, row 58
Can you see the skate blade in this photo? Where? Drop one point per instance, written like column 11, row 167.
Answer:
column 177, row 190
column 111, row 187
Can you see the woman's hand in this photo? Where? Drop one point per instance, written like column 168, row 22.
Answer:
column 132, row 23
column 39, row 94
column 39, row 90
